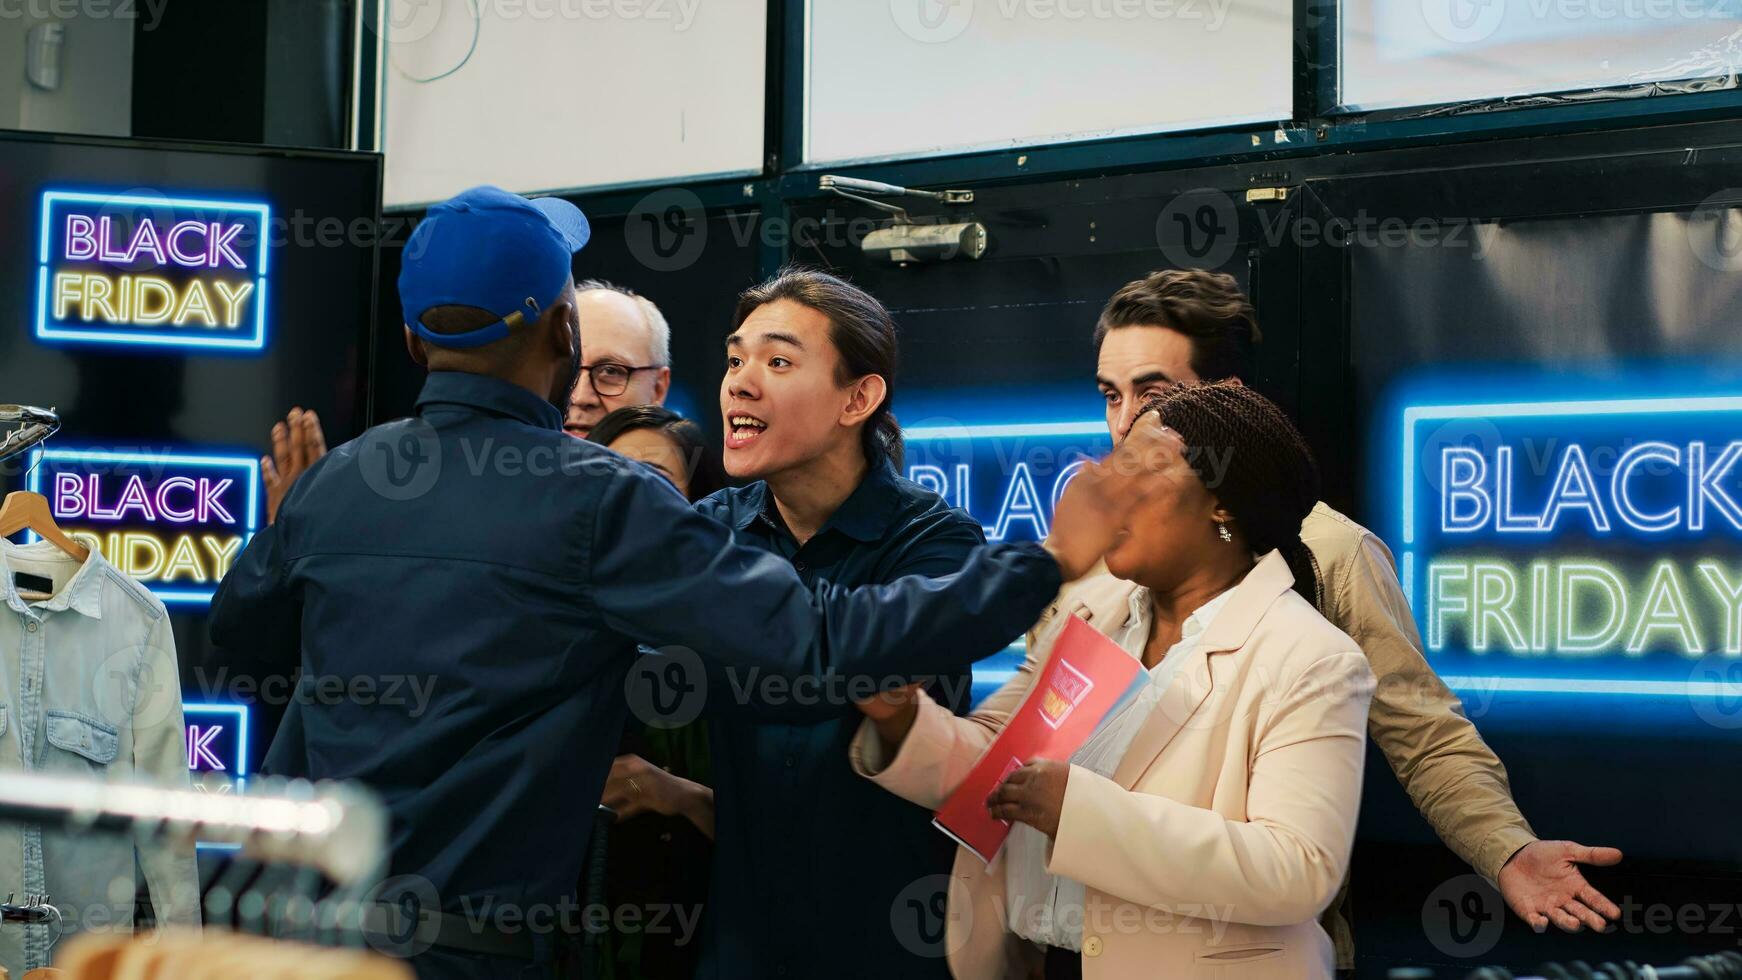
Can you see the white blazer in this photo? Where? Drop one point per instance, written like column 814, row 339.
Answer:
column 1226, row 828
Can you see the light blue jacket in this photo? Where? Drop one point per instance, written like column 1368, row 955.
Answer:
column 88, row 687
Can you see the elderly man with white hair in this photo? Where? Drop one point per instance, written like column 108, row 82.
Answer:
column 625, row 354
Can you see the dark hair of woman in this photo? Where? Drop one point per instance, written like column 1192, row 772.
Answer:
column 701, row 455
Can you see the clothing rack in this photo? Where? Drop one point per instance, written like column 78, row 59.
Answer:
column 31, row 426
column 1718, row 966
column 336, row 829
column 307, row 856
column 34, row 910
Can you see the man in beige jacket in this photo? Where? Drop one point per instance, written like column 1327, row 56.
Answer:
column 1192, row 325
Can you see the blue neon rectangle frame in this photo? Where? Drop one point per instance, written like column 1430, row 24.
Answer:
column 255, row 342
column 995, row 671
column 1000, row 668
column 239, row 712
column 948, row 426
column 247, row 464
column 242, row 714
column 1013, row 430
column 1569, row 408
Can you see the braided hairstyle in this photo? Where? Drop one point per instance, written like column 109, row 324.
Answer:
column 1253, row 459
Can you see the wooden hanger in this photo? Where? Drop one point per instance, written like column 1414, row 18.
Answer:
column 24, row 509
column 213, row 954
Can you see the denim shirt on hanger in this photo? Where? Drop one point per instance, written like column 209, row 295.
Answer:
column 89, row 686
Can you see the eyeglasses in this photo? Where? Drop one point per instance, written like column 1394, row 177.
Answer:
column 613, row 379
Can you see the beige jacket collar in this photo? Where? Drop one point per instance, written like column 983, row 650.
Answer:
column 1191, row 687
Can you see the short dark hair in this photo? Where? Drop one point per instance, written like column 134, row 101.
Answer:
column 460, row 320
column 464, row 319
column 707, row 473
column 1208, row 307
column 862, row 331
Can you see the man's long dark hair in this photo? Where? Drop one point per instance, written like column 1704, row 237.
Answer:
column 860, row 328
column 1254, row 460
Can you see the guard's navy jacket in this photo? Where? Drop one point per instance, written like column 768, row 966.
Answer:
column 509, row 570
column 817, row 870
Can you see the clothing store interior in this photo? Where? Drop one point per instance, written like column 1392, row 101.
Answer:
column 1281, row 516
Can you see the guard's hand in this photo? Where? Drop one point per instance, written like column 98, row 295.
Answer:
column 1086, row 522
column 1098, row 502
column 1033, row 794
column 297, row 443
column 1542, row 884
column 1145, row 450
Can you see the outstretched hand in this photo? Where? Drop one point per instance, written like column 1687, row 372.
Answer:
column 297, row 443
column 1542, row 884
column 1099, row 500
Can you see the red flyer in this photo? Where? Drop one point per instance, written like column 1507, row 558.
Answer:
column 1085, row 679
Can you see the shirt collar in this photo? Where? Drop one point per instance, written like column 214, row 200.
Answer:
column 868, row 511
column 864, row 516
column 488, row 394
column 755, row 502
column 1139, row 612
column 81, row 594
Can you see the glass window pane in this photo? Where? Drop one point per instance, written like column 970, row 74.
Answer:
column 895, row 78
column 1424, row 52
column 66, row 74
column 537, row 95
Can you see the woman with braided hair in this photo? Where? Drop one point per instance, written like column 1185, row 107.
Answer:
column 1250, row 457
column 1206, row 824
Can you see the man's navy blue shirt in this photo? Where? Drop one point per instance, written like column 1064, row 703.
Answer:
column 814, row 865
column 510, row 570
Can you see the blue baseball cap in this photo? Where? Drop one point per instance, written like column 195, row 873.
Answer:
column 493, row 250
